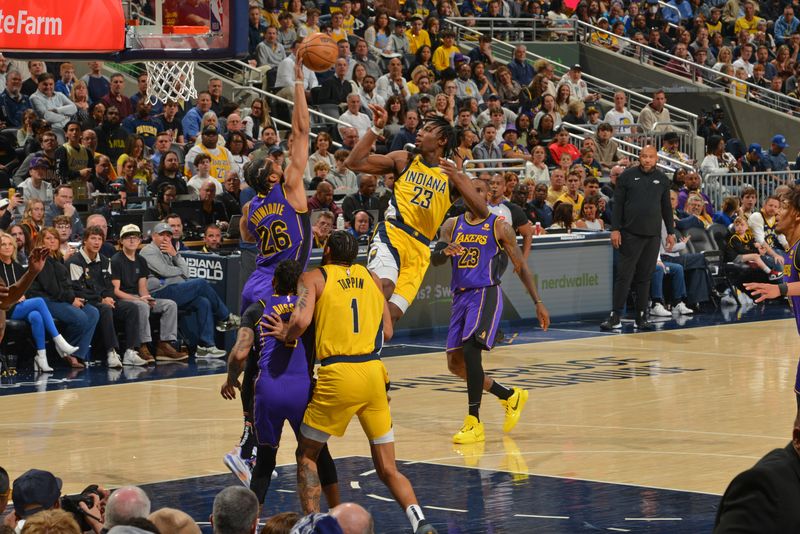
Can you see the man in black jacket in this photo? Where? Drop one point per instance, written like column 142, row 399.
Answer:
column 764, row 498
column 90, row 274
column 641, row 202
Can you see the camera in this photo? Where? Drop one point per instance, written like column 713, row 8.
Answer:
column 71, row 504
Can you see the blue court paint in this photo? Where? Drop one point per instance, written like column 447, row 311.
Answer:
column 402, row 345
column 461, row 500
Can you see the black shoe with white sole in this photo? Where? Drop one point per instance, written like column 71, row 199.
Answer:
column 612, row 323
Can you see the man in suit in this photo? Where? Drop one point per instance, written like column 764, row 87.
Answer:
column 763, row 499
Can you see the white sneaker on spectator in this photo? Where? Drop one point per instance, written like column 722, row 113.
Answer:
column 131, row 357
column 209, row 352
column 113, row 360
column 682, row 309
column 658, row 310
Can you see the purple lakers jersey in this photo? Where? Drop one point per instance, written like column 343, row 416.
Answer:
column 478, row 266
column 276, row 357
column 791, row 273
column 282, row 232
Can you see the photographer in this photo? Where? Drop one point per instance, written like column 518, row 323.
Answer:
column 711, row 124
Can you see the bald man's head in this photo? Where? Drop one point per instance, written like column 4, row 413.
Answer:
column 353, row 518
column 648, row 158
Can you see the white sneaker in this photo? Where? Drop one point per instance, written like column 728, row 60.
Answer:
column 682, row 309
column 209, row 352
column 658, row 310
column 131, row 357
column 113, row 360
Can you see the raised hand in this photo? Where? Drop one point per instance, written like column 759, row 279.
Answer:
column 37, row 258
column 379, row 116
column 298, row 65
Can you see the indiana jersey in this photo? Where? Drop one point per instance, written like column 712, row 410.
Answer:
column 421, row 198
column 282, row 232
column 791, row 273
column 770, row 235
column 348, row 316
column 277, row 358
column 478, row 266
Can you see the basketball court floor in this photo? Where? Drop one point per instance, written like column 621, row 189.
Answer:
column 639, row 432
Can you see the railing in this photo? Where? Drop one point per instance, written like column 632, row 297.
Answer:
column 627, row 148
column 517, row 29
column 718, row 185
column 668, row 7
column 516, row 165
column 691, row 71
column 505, row 50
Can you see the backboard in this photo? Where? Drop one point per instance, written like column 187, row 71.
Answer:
column 124, row 30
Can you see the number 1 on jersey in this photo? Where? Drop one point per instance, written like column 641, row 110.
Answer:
column 354, row 307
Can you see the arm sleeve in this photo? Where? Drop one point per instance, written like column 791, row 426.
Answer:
column 252, row 315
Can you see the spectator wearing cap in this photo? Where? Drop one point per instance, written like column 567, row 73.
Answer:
column 775, row 160
column 169, row 279
column 578, row 87
column 521, row 69
column 35, row 186
column 510, row 147
column 752, row 161
column 670, row 148
column 222, row 161
column 129, row 280
column 493, row 102
column 34, row 491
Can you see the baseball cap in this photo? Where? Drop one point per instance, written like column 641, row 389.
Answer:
column 510, row 128
column 129, row 229
column 493, row 97
column 39, row 163
column 276, row 150
column 576, row 67
column 161, row 228
column 35, row 487
column 210, row 130
column 780, row 141
column 670, row 136
column 460, row 58
column 592, row 109
column 754, row 147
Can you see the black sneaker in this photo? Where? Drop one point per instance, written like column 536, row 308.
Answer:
column 612, row 323
column 642, row 323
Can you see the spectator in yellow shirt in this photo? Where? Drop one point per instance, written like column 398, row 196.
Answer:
column 348, row 20
column 337, row 29
column 749, row 21
column 417, row 36
column 443, row 56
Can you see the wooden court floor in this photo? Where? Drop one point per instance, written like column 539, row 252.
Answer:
column 683, row 409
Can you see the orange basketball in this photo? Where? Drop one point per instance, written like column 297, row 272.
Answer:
column 319, row 52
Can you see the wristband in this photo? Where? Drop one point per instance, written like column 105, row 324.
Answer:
column 299, row 82
column 377, row 131
column 783, row 287
column 537, row 301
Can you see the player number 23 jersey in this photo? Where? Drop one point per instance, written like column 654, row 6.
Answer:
column 421, row 198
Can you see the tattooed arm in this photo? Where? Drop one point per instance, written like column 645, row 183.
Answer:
column 308, row 290
column 236, row 359
column 508, row 240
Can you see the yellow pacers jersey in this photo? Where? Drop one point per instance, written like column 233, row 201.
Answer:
column 421, row 198
column 348, row 316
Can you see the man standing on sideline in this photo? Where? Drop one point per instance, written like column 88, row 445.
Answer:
column 641, row 202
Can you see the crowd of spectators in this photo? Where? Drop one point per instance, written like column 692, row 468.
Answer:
column 40, row 507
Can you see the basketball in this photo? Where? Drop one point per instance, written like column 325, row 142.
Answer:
column 319, row 52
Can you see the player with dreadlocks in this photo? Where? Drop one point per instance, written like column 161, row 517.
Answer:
column 426, row 184
column 277, row 220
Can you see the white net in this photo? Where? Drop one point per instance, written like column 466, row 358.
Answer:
column 170, row 80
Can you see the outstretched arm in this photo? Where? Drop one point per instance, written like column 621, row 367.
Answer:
column 455, row 172
column 293, row 177
column 18, row 289
column 508, row 240
column 360, row 159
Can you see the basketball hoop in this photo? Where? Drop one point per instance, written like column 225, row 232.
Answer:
column 170, row 80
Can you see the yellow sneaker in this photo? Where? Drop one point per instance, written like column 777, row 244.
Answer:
column 513, row 407
column 471, row 431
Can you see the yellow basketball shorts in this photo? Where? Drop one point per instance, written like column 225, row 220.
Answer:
column 397, row 256
column 347, row 389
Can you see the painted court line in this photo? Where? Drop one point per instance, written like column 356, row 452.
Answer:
column 442, row 508
column 379, row 497
column 618, row 529
column 543, row 516
column 354, row 484
column 653, row 519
